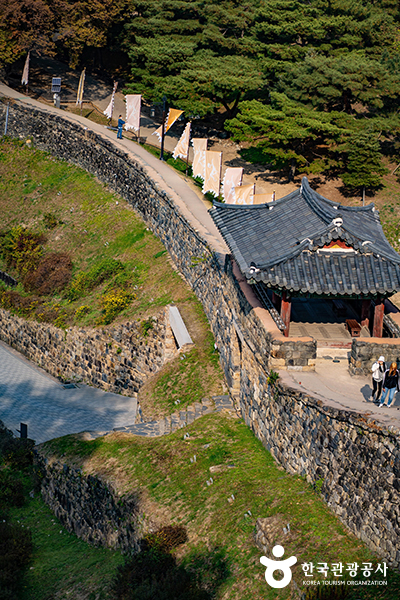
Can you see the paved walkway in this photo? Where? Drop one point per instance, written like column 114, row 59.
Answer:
column 31, row 396
column 332, row 383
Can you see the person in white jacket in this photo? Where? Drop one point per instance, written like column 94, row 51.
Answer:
column 378, row 371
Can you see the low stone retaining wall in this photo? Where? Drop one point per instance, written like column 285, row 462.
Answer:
column 356, row 462
column 89, row 507
column 116, row 359
column 365, row 351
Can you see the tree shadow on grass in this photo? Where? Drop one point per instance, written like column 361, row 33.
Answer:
column 155, row 574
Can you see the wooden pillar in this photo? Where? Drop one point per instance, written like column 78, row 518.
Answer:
column 276, row 300
column 378, row 318
column 365, row 310
column 285, row 312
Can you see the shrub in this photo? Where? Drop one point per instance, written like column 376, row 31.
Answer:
column 87, row 281
column 146, row 326
column 113, row 303
column 23, row 305
column 155, row 574
column 51, row 221
column 166, row 538
column 15, row 553
column 53, row 274
column 11, row 490
column 21, row 248
column 18, row 453
column 82, row 311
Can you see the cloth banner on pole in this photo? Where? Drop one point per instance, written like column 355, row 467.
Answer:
column 262, row 198
column 199, row 157
column 133, row 104
column 233, row 178
column 25, row 74
column 81, row 86
column 212, row 174
column 173, row 115
column 182, row 148
column 244, row 194
column 110, row 108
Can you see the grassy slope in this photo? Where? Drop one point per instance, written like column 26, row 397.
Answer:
column 94, row 227
column 63, row 566
column 174, row 490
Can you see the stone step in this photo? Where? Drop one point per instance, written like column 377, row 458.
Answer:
column 175, row 421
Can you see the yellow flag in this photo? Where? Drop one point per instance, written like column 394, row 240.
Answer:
column 173, row 115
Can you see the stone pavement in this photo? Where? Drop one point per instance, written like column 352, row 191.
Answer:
column 29, row 395
column 332, row 383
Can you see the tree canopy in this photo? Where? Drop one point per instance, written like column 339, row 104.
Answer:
column 301, row 82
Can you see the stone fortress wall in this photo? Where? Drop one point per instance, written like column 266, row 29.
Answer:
column 90, row 507
column 355, row 463
column 116, row 359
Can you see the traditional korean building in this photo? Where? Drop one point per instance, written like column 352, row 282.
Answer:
column 304, row 245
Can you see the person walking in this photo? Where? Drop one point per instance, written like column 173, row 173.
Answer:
column 390, row 384
column 121, row 123
column 378, row 371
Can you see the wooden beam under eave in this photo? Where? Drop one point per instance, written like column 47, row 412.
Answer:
column 285, row 312
column 378, row 318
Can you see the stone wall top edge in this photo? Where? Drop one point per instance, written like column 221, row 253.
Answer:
column 353, row 418
column 369, row 341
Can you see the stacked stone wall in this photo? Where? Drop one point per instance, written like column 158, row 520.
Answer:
column 356, row 463
column 364, row 353
column 117, row 359
column 90, row 507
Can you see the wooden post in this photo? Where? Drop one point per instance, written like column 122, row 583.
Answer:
column 378, row 318
column 285, row 312
column 365, row 310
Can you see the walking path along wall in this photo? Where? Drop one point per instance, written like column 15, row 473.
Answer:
column 356, row 463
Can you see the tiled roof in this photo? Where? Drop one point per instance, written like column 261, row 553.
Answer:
column 280, row 243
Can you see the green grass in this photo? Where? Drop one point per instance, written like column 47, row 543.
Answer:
column 90, row 224
column 93, row 229
column 63, row 566
column 174, row 490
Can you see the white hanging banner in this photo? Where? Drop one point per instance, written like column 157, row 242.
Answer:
column 182, row 148
column 262, row 198
column 244, row 194
column 232, row 178
column 212, row 175
column 81, row 87
column 199, row 157
column 133, row 104
column 25, row 74
column 110, row 108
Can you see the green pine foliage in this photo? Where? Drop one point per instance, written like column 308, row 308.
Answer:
column 307, row 66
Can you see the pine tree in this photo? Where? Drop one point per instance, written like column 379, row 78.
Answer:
column 364, row 165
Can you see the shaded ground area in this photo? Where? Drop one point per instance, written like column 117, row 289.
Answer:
column 316, row 318
column 31, row 396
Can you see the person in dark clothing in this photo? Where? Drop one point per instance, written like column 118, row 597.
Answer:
column 378, row 371
column 390, row 384
column 121, row 123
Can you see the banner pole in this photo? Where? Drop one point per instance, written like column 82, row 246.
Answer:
column 163, row 128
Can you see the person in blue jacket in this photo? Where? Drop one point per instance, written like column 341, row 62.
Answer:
column 390, row 384
column 121, row 123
